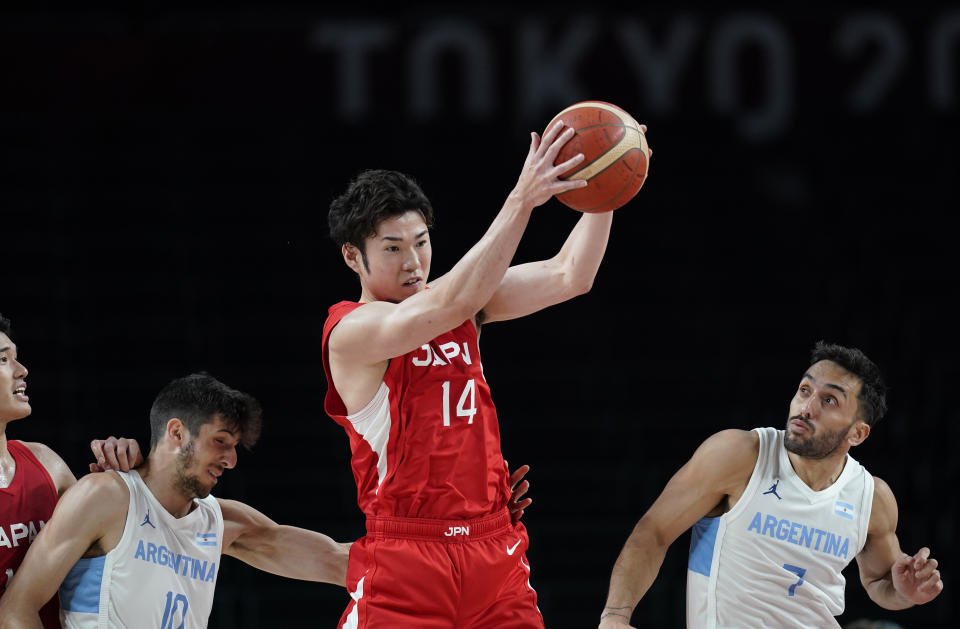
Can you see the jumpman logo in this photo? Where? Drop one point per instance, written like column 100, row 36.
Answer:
column 146, row 520
column 773, row 490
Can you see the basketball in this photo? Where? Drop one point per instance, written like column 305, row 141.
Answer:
column 615, row 151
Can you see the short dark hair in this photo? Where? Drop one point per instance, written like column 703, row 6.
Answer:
column 199, row 399
column 4, row 325
column 873, row 391
column 372, row 196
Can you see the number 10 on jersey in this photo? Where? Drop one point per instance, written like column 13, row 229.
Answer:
column 468, row 396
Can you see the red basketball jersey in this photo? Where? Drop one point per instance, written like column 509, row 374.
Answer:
column 428, row 444
column 25, row 506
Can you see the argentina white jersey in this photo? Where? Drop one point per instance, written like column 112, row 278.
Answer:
column 775, row 559
column 161, row 575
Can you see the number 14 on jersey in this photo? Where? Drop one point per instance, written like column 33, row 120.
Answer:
column 467, row 397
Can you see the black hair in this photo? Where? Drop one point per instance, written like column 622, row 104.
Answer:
column 199, row 399
column 4, row 325
column 873, row 391
column 372, row 196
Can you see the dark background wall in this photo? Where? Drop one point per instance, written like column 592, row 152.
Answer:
column 166, row 175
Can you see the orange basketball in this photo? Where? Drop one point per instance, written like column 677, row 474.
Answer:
column 615, row 151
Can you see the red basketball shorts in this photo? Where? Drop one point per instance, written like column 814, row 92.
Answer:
column 441, row 574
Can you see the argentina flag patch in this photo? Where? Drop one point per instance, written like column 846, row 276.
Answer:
column 206, row 539
column 843, row 509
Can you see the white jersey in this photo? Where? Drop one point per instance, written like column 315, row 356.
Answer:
column 775, row 559
column 160, row 575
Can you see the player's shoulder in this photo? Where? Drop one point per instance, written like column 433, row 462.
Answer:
column 52, row 462
column 733, row 441
column 355, row 317
column 238, row 512
column 730, row 450
column 104, row 489
column 883, row 498
column 42, row 451
column 883, row 511
column 240, row 520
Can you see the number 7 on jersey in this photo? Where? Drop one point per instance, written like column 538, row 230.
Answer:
column 797, row 571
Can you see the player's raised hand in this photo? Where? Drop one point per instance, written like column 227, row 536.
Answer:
column 916, row 578
column 115, row 454
column 517, row 490
column 540, row 179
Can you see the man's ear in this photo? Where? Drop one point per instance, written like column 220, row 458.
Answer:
column 858, row 433
column 352, row 256
column 177, row 433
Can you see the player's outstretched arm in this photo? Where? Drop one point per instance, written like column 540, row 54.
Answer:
column 527, row 288
column 288, row 551
column 380, row 330
column 721, row 463
column 893, row 579
column 84, row 517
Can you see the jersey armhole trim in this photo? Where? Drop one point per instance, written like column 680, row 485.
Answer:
column 370, row 410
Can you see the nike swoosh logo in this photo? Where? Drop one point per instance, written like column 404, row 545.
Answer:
column 512, row 549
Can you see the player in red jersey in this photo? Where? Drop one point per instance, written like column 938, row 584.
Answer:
column 32, row 476
column 406, row 383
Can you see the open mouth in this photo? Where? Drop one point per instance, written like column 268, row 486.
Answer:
column 414, row 281
column 21, row 393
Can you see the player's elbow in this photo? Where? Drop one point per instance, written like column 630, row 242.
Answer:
column 649, row 537
column 577, row 278
column 581, row 286
column 456, row 312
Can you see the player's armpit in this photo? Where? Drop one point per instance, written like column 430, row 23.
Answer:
column 288, row 551
column 88, row 514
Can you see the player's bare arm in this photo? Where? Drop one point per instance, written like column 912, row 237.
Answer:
column 288, row 551
column 707, row 485
column 373, row 335
column 88, row 521
column 893, row 579
column 528, row 288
